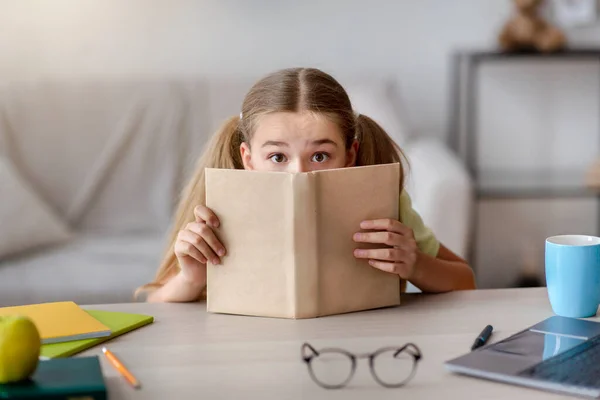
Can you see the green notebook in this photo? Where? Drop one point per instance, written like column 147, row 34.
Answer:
column 118, row 322
column 63, row 378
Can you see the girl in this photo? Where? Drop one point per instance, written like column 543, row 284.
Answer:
column 299, row 120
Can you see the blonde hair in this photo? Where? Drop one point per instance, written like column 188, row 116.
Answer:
column 288, row 90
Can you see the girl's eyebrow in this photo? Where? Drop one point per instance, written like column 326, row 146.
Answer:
column 274, row 143
column 284, row 144
column 324, row 141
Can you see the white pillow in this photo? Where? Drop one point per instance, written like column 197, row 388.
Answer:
column 377, row 101
column 26, row 222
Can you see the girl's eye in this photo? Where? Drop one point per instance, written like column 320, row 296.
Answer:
column 320, row 157
column 277, row 158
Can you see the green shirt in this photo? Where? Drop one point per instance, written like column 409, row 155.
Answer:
column 426, row 240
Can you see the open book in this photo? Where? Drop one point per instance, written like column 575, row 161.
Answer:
column 289, row 241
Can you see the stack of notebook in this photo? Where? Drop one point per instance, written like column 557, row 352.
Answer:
column 65, row 330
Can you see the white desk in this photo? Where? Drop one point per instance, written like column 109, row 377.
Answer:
column 187, row 353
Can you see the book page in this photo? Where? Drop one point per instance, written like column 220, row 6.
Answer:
column 345, row 198
column 305, row 237
column 256, row 277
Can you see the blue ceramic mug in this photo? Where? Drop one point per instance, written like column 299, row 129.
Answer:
column 573, row 275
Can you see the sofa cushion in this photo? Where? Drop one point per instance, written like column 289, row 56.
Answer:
column 90, row 269
column 26, row 221
column 226, row 96
column 106, row 155
column 379, row 101
column 442, row 192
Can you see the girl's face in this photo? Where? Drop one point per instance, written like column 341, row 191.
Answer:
column 297, row 142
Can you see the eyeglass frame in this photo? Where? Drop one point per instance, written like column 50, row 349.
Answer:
column 414, row 351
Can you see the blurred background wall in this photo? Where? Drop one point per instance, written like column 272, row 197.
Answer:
column 532, row 116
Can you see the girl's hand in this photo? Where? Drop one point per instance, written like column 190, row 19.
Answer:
column 400, row 258
column 197, row 244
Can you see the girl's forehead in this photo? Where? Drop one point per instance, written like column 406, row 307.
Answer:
column 288, row 126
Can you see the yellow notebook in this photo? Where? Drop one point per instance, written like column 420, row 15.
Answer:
column 60, row 322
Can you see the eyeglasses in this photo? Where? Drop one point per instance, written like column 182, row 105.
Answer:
column 332, row 368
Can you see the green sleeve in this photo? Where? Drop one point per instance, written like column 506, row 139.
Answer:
column 425, row 238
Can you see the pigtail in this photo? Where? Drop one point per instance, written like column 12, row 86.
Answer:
column 223, row 151
column 376, row 146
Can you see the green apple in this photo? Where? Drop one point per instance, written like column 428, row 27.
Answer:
column 19, row 348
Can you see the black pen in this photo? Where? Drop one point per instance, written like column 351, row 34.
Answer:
column 483, row 337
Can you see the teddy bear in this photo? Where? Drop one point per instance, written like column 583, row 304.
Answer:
column 528, row 31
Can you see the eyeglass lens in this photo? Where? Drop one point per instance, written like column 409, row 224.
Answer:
column 391, row 368
column 332, row 368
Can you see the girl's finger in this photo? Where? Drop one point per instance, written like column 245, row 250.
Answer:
column 384, row 237
column 200, row 244
column 184, row 248
column 393, row 254
column 393, row 268
column 390, row 225
column 205, row 214
column 209, row 237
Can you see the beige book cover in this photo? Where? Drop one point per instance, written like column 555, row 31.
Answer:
column 289, row 241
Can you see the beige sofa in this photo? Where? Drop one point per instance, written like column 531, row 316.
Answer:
column 90, row 173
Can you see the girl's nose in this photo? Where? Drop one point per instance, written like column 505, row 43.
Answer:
column 298, row 166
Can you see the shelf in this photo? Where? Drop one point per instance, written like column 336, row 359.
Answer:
column 493, row 55
column 497, row 184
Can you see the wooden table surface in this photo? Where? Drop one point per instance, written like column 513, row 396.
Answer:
column 188, row 353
